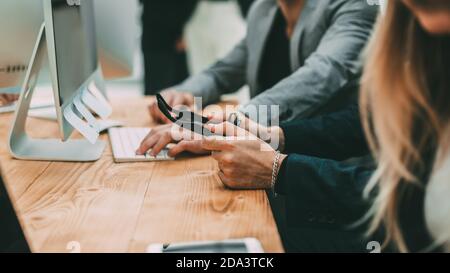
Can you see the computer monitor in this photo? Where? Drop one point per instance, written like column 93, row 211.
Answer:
column 117, row 27
column 12, row 236
column 21, row 20
column 70, row 31
column 67, row 39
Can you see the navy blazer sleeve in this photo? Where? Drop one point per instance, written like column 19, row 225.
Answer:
column 336, row 136
column 323, row 192
column 318, row 188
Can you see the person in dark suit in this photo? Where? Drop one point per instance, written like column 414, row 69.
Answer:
column 318, row 196
column 163, row 47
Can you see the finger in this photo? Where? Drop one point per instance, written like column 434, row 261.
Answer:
column 225, row 180
column 218, row 156
column 187, row 146
column 178, row 148
column 168, row 96
column 8, row 97
column 227, row 129
column 155, row 113
column 147, row 144
column 150, row 110
column 162, row 118
column 222, row 177
column 161, row 144
column 178, row 100
column 13, row 97
column 189, row 135
column 171, row 98
column 216, row 144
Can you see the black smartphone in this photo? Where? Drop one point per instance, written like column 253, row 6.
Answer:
column 184, row 118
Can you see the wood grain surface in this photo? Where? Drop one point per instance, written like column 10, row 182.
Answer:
column 108, row 207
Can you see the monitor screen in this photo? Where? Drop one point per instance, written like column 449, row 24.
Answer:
column 75, row 45
column 20, row 22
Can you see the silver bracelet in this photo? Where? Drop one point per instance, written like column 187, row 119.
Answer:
column 276, row 163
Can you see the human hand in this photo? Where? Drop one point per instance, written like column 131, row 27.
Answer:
column 174, row 99
column 6, row 99
column 267, row 134
column 159, row 137
column 243, row 164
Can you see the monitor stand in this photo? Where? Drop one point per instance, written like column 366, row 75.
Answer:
column 24, row 147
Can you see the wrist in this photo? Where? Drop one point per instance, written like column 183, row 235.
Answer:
column 280, row 183
column 276, row 166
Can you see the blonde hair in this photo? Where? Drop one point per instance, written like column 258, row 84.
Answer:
column 404, row 103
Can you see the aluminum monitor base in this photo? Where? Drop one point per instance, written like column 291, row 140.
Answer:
column 26, row 148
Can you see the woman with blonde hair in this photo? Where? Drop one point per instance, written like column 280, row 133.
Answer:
column 405, row 105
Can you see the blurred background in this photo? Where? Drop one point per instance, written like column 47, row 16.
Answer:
column 175, row 39
column 180, row 38
column 163, row 41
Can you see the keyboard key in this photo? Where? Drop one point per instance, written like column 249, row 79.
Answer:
column 125, row 141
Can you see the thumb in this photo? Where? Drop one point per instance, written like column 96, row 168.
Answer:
column 192, row 146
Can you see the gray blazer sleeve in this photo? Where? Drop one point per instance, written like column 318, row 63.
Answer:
column 329, row 69
column 225, row 76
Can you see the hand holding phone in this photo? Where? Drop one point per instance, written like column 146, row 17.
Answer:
column 184, row 118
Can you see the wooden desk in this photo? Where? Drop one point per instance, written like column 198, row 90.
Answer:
column 109, row 207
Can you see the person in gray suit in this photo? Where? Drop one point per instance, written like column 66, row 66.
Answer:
column 302, row 55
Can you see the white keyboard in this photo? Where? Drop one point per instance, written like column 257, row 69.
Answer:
column 125, row 141
column 8, row 108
